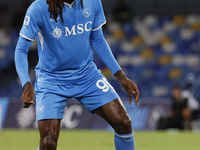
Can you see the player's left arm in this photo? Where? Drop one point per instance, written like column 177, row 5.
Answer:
column 104, row 52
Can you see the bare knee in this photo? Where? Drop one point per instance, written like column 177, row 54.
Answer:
column 49, row 132
column 123, row 126
column 48, row 142
column 116, row 115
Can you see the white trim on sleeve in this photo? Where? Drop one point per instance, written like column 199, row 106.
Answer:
column 26, row 37
column 99, row 27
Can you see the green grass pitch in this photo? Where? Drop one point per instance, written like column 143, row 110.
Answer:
column 101, row 140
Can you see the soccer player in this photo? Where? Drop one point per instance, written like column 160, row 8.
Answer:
column 66, row 31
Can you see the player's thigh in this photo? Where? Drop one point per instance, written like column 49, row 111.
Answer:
column 50, row 103
column 96, row 92
column 116, row 115
column 49, row 128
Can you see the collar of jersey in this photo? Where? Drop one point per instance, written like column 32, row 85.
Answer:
column 70, row 5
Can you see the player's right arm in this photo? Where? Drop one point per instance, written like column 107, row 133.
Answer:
column 31, row 26
column 21, row 64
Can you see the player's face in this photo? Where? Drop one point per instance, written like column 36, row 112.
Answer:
column 177, row 93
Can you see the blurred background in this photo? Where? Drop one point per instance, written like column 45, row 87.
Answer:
column 156, row 42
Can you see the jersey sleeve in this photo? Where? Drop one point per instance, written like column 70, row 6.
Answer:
column 103, row 50
column 32, row 22
column 100, row 18
column 21, row 62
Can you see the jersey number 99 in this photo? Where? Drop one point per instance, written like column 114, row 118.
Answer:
column 103, row 85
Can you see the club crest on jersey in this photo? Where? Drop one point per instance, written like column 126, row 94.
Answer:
column 40, row 109
column 57, row 32
column 27, row 20
column 86, row 12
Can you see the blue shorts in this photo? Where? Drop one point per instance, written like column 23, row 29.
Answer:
column 93, row 92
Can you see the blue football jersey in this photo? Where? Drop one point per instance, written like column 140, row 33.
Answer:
column 64, row 50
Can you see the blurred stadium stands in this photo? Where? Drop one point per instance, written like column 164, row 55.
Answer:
column 156, row 51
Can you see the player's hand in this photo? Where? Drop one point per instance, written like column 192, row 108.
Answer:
column 129, row 86
column 28, row 95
